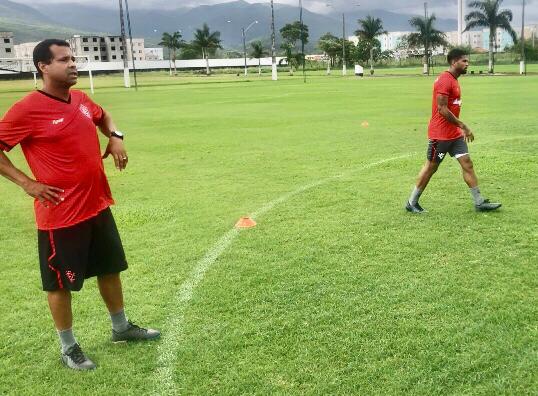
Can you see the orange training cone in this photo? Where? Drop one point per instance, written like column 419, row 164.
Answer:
column 245, row 222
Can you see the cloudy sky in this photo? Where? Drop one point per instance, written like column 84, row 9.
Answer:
column 442, row 8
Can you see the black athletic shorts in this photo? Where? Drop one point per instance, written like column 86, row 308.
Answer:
column 437, row 149
column 69, row 255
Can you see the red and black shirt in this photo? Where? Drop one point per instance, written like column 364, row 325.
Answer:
column 440, row 128
column 59, row 140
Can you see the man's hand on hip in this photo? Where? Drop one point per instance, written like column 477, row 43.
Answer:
column 43, row 192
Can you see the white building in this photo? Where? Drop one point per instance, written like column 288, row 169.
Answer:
column 25, row 50
column 6, row 45
column 473, row 39
column 154, row 53
column 391, row 40
column 106, row 48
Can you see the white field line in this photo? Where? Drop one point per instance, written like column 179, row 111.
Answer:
column 164, row 383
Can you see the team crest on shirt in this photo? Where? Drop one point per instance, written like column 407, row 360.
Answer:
column 84, row 110
column 71, row 276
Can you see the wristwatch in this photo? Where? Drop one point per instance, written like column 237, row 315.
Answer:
column 117, row 134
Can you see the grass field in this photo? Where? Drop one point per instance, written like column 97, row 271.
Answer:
column 337, row 290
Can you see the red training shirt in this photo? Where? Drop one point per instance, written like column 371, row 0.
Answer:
column 439, row 128
column 60, row 143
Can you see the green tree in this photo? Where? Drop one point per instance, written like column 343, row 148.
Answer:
column 330, row 45
column 206, row 43
column 258, row 52
column 426, row 37
column 172, row 42
column 369, row 29
column 291, row 33
column 488, row 15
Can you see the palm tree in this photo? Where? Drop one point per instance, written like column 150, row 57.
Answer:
column 173, row 42
column 206, row 42
column 426, row 37
column 369, row 29
column 258, row 52
column 489, row 16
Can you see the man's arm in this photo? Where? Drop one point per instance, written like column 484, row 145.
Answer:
column 115, row 145
column 35, row 189
column 442, row 107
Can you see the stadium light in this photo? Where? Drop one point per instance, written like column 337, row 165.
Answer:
column 344, row 66
column 274, row 72
column 522, row 65
column 244, row 32
column 126, row 78
column 460, row 22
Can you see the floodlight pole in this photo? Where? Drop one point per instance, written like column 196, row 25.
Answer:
column 126, row 80
column 460, row 22
column 244, row 34
column 302, row 37
column 274, row 72
column 344, row 69
column 131, row 40
column 523, row 65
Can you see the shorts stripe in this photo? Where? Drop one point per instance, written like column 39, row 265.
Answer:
column 58, row 276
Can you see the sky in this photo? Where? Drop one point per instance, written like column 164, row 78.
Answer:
column 442, row 8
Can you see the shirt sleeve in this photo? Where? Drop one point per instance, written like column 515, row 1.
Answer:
column 443, row 85
column 15, row 126
column 96, row 110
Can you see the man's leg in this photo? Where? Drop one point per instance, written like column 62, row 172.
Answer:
column 424, row 176
column 112, row 294
column 470, row 178
column 122, row 329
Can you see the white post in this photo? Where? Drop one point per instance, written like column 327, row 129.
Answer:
column 126, row 79
column 35, row 79
column 91, row 81
column 274, row 72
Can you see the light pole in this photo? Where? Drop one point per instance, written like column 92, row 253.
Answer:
column 244, row 32
column 522, row 65
column 274, row 73
column 344, row 66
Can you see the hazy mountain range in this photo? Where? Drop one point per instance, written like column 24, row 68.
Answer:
column 63, row 20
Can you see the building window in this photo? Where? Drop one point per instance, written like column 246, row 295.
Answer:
column 8, row 49
column 95, row 49
column 86, row 49
column 113, row 48
column 105, row 58
column 103, row 49
column 85, row 40
column 121, row 48
column 122, row 57
column 95, row 39
column 96, row 57
column 112, row 39
column 6, row 40
column 113, row 56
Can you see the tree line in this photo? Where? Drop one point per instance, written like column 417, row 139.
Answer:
column 424, row 40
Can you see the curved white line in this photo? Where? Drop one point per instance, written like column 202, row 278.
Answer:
column 163, row 379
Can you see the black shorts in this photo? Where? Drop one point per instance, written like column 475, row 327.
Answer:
column 437, row 149
column 69, row 255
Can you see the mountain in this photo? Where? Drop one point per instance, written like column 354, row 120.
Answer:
column 150, row 23
column 28, row 24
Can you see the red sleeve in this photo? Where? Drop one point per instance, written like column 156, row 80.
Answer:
column 14, row 127
column 95, row 109
column 443, row 85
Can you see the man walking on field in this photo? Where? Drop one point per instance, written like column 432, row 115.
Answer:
column 448, row 134
column 77, row 235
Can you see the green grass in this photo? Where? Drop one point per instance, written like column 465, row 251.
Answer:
column 337, row 290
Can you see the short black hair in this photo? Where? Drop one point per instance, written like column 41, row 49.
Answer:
column 42, row 52
column 455, row 54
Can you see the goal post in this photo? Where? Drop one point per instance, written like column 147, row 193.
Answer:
column 26, row 65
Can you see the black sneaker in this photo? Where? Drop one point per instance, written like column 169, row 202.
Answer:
column 135, row 333
column 74, row 358
column 416, row 208
column 487, row 206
